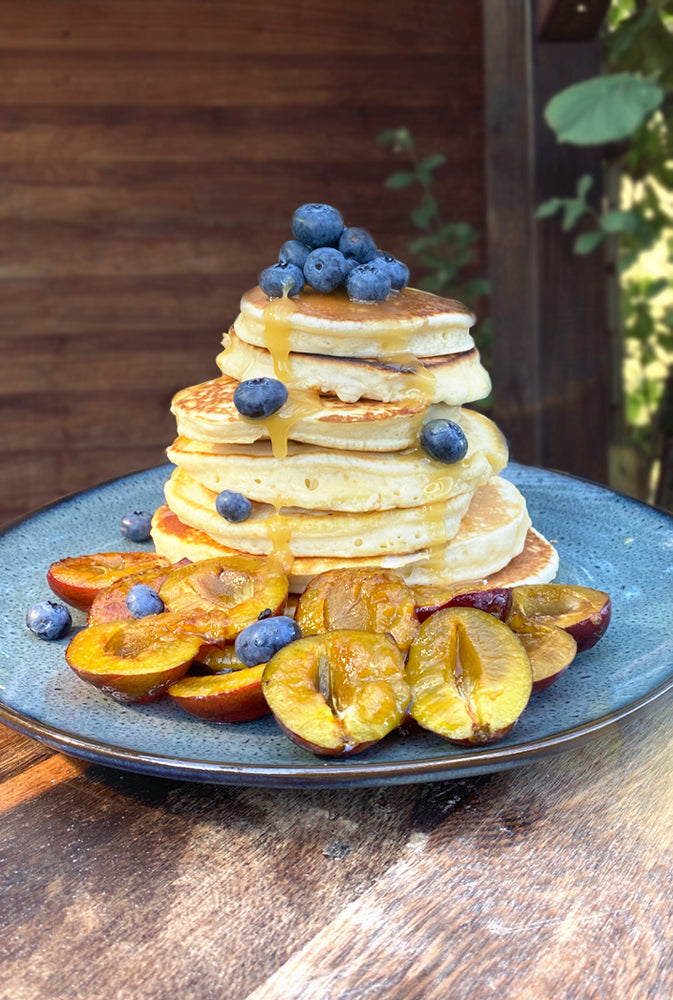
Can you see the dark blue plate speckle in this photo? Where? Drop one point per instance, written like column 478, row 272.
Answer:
column 605, row 540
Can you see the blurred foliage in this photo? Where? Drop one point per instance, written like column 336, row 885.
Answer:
column 628, row 111
column 445, row 251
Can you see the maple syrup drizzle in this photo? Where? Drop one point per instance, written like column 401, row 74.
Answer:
column 278, row 531
column 277, row 327
column 421, row 380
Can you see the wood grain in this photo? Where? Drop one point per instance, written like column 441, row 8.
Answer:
column 551, row 353
column 551, row 879
column 151, row 155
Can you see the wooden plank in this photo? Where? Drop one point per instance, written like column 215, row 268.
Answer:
column 109, row 362
column 164, row 26
column 44, row 136
column 36, row 780
column 551, row 354
column 213, row 81
column 17, row 753
column 513, row 265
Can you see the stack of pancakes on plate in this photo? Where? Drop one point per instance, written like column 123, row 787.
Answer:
column 337, row 477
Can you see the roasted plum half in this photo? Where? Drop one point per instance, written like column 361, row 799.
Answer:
column 78, row 579
column 234, row 696
column 550, row 650
column 339, row 692
column 470, row 676
column 582, row 611
column 133, row 661
column 495, row 600
column 367, row 600
column 109, row 605
column 220, row 596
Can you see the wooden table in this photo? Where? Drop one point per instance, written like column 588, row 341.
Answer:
column 552, row 880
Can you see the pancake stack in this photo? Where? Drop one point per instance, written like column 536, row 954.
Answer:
column 337, row 477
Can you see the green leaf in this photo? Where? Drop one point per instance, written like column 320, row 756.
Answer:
column 432, row 162
column 423, row 215
column 619, row 222
column 586, row 243
column 399, row 180
column 548, row 208
column 602, row 109
column 574, row 210
column 584, row 185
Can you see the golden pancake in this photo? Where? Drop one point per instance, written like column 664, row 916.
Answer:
column 451, row 378
column 534, row 561
column 317, row 532
column 206, row 412
column 312, row 477
column 413, row 321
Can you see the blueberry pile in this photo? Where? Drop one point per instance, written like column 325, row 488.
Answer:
column 327, row 255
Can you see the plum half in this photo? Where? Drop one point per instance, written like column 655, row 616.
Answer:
column 133, row 661
column 234, row 696
column 550, row 650
column 470, row 676
column 78, row 579
column 582, row 611
column 220, row 596
column 339, row 692
column 496, row 600
column 369, row 600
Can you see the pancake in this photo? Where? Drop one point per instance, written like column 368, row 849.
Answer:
column 451, row 378
column 206, row 412
column 337, row 480
column 317, row 532
column 491, row 533
column 412, row 321
column 533, row 560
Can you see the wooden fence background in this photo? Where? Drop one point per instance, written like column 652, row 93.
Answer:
column 151, row 155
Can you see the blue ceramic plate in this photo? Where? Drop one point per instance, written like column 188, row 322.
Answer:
column 605, row 540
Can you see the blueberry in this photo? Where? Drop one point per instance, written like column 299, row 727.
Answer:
column 137, row 525
column 444, row 440
column 368, row 283
column 358, row 243
column 325, row 269
column 280, row 279
column 258, row 642
column 399, row 272
column 259, row 397
column 142, row 600
column 233, row 506
column 293, row 252
column 49, row 620
column 317, row 225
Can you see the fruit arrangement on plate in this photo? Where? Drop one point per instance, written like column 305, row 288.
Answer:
column 337, row 546
column 359, row 655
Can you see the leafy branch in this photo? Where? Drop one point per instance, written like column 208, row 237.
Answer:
column 444, row 249
column 628, row 112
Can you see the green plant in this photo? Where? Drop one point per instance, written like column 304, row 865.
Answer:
column 628, row 111
column 445, row 250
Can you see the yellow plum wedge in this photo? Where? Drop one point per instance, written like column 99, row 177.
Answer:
column 133, row 661
column 337, row 693
column 470, row 676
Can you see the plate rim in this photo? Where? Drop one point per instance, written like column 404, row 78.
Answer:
column 324, row 772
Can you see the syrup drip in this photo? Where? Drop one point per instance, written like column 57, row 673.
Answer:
column 421, row 380
column 278, row 531
column 277, row 326
column 300, row 403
